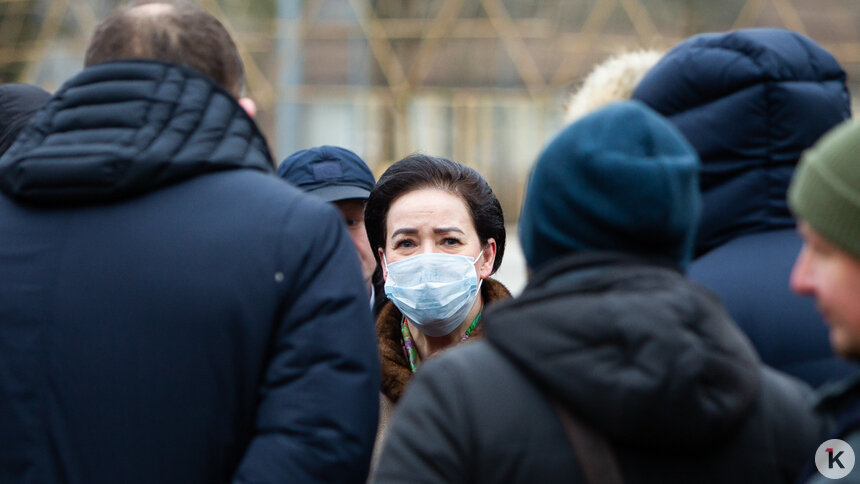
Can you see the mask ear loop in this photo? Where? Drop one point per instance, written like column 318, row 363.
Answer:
column 385, row 263
column 480, row 279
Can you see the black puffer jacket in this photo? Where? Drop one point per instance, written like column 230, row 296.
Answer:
column 647, row 358
column 171, row 311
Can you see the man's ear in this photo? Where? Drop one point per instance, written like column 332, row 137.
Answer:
column 248, row 105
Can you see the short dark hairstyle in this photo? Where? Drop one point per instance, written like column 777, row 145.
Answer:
column 182, row 33
column 419, row 171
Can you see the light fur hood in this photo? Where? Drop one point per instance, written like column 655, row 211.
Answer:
column 612, row 80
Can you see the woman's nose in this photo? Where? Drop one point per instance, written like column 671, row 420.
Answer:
column 428, row 247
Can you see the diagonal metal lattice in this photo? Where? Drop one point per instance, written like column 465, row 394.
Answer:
column 476, row 80
column 69, row 23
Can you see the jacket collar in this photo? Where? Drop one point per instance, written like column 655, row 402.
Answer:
column 841, row 400
column 125, row 128
column 580, row 266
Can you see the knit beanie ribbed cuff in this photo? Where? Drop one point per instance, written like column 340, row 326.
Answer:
column 821, row 198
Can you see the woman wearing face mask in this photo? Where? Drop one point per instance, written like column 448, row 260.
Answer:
column 438, row 232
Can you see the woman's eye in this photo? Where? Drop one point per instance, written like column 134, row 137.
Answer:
column 405, row 244
column 351, row 222
column 450, row 241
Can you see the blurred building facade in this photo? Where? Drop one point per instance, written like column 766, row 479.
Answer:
column 480, row 81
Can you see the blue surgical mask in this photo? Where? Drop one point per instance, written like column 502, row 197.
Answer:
column 434, row 291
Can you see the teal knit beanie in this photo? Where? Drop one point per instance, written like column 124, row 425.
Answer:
column 825, row 190
column 621, row 179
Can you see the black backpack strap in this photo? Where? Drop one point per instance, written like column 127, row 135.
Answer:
column 595, row 455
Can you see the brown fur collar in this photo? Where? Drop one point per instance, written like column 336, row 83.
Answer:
column 395, row 368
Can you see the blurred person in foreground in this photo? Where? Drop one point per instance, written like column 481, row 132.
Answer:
column 609, row 337
column 173, row 312
column 825, row 196
column 338, row 176
column 18, row 103
column 438, row 231
column 750, row 101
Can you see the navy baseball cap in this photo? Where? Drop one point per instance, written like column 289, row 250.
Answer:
column 331, row 173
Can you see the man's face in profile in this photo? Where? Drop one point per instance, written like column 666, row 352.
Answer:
column 353, row 214
column 832, row 276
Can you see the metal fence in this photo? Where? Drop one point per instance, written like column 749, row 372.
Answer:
column 479, row 81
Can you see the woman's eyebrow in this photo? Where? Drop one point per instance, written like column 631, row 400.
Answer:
column 405, row 230
column 443, row 230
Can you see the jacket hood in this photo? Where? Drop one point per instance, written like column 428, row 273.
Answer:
column 749, row 101
column 125, row 128
column 18, row 103
column 646, row 357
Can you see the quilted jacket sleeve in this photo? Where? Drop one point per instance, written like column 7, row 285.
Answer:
column 319, row 403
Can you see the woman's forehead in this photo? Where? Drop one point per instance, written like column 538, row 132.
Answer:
column 429, row 207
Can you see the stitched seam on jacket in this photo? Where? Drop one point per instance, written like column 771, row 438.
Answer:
column 199, row 122
column 174, row 104
column 225, row 134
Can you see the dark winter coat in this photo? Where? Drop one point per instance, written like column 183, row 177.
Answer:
column 648, row 359
column 750, row 274
column 840, row 402
column 18, row 103
column 171, row 311
column 750, row 102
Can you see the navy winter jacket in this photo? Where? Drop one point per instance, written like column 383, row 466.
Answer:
column 18, row 103
column 750, row 102
column 171, row 311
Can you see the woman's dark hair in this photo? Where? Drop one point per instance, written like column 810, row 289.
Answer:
column 418, row 171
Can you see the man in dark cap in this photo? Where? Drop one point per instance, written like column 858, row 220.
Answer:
column 338, row 176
